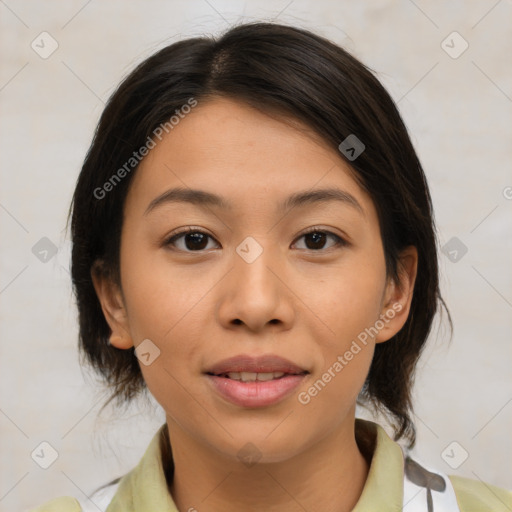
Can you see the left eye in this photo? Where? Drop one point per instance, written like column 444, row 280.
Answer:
column 316, row 239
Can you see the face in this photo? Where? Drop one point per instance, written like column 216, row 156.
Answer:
column 271, row 280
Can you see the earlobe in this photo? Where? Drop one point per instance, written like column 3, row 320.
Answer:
column 398, row 296
column 112, row 305
column 121, row 342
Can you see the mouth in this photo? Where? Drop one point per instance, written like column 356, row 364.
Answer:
column 248, row 381
column 254, row 376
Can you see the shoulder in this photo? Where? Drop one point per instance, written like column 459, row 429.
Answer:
column 63, row 504
column 99, row 500
column 477, row 496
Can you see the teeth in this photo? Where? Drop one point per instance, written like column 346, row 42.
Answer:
column 252, row 377
column 248, row 376
column 265, row 376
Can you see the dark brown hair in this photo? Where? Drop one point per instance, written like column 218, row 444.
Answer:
column 277, row 69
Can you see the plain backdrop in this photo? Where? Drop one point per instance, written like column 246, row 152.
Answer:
column 457, row 104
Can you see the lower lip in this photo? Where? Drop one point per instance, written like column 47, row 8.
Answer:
column 257, row 393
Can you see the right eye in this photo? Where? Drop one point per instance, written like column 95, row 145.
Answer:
column 188, row 240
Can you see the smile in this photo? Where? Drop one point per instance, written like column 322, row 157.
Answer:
column 255, row 381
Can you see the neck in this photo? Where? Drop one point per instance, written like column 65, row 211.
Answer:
column 328, row 476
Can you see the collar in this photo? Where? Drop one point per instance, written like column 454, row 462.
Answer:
column 384, row 485
column 145, row 487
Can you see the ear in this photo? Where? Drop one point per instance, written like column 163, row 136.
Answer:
column 112, row 304
column 397, row 298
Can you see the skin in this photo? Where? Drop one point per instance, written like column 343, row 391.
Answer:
column 301, row 301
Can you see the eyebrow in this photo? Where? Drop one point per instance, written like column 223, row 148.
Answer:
column 206, row 199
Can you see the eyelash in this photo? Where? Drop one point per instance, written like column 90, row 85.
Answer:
column 340, row 242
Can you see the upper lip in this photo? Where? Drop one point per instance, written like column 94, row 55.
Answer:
column 255, row 364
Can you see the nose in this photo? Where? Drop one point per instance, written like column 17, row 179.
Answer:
column 255, row 293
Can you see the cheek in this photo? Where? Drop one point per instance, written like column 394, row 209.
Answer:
column 347, row 299
column 160, row 295
column 347, row 348
column 168, row 306
column 349, row 304
column 172, row 321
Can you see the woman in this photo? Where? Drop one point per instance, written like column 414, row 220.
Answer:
column 253, row 242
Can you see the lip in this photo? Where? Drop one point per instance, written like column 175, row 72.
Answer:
column 256, row 393
column 256, row 364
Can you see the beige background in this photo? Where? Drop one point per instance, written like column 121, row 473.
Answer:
column 458, row 111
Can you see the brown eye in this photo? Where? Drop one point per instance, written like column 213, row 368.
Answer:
column 316, row 239
column 191, row 240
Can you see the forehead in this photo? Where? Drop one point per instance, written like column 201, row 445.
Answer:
column 232, row 150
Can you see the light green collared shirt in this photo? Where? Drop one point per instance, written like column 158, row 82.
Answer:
column 144, row 489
